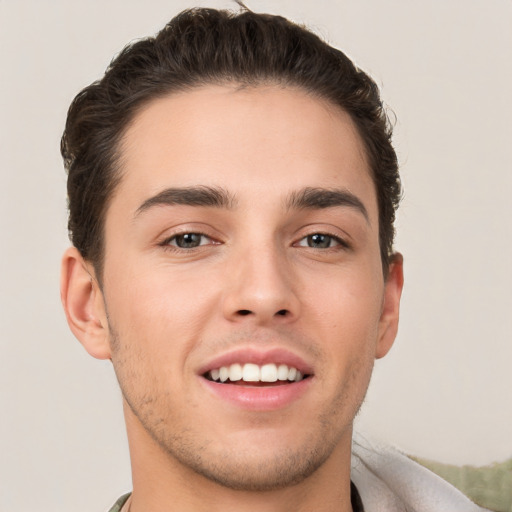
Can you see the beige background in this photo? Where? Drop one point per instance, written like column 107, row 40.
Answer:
column 444, row 390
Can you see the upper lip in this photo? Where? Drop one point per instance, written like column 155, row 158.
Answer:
column 259, row 357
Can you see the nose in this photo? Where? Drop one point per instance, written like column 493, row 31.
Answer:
column 260, row 288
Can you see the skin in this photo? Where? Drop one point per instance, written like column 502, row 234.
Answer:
column 255, row 281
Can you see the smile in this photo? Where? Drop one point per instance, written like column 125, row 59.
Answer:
column 254, row 380
column 251, row 373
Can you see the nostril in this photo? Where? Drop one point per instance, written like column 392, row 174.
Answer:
column 246, row 312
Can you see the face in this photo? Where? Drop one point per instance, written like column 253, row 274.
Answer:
column 243, row 289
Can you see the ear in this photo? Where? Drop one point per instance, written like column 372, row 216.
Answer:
column 83, row 304
column 388, row 325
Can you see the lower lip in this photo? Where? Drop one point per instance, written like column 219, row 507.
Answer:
column 264, row 398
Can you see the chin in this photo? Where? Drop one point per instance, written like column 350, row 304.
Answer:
column 259, row 473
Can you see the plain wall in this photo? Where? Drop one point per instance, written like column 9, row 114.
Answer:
column 444, row 390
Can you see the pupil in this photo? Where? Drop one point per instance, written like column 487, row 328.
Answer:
column 319, row 241
column 188, row 240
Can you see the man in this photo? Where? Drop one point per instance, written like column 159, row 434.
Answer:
column 232, row 192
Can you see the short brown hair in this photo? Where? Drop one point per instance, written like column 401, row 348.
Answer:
column 207, row 46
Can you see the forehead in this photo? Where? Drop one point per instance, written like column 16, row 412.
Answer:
column 260, row 141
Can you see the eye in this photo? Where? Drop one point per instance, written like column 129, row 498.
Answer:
column 320, row 241
column 188, row 240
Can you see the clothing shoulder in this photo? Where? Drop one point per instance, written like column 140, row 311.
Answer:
column 118, row 505
column 389, row 481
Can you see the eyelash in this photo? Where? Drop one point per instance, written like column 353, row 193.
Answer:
column 339, row 241
column 168, row 244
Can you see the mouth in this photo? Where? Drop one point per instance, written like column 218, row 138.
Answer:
column 256, row 380
column 251, row 374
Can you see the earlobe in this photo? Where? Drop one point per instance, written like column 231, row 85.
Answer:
column 83, row 304
column 388, row 326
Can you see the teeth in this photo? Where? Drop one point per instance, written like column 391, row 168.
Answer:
column 268, row 373
column 282, row 372
column 250, row 372
column 235, row 372
column 224, row 373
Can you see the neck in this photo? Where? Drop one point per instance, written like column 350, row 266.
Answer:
column 163, row 484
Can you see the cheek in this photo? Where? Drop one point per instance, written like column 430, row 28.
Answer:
column 158, row 314
column 347, row 304
column 347, row 328
column 159, row 298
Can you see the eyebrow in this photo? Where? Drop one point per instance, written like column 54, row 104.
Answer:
column 311, row 198
column 215, row 197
